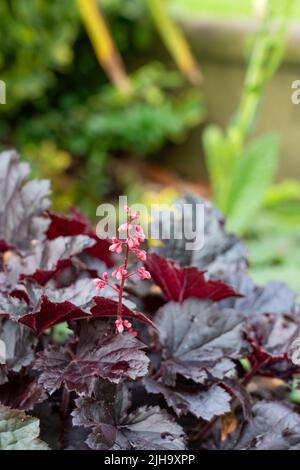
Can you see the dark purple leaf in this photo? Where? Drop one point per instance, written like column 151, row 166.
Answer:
column 197, row 336
column 19, row 347
column 205, row 403
column 98, row 354
column 271, row 335
column 44, row 259
column 22, row 204
column 240, row 393
column 220, row 254
column 147, row 428
column 275, row 297
column 182, row 283
column 22, row 393
column 275, row 426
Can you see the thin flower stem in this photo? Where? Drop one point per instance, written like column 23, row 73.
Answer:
column 119, row 312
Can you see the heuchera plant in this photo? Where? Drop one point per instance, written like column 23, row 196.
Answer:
column 107, row 347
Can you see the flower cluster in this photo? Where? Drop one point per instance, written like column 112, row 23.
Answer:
column 132, row 236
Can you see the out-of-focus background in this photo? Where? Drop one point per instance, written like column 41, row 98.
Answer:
column 152, row 98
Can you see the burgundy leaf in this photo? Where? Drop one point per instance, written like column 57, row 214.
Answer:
column 110, row 357
column 78, row 224
column 271, row 336
column 179, row 284
column 22, row 393
column 48, row 307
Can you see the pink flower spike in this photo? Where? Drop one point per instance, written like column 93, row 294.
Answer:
column 119, row 326
column 144, row 274
column 127, row 324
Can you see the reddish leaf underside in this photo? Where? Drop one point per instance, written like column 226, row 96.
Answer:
column 179, row 284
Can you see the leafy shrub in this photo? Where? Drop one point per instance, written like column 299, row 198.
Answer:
column 56, row 81
column 203, row 338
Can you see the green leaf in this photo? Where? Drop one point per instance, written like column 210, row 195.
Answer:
column 221, row 151
column 19, row 431
column 252, row 175
column 285, row 191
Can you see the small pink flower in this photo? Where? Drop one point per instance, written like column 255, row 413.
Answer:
column 139, row 233
column 125, row 227
column 119, row 326
column 139, row 229
column 105, row 276
column 131, row 242
column 119, row 273
column 144, row 274
column 99, row 283
column 131, row 331
column 141, row 254
column 134, row 216
column 116, row 245
column 127, row 324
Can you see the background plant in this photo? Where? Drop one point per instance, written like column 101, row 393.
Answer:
column 242, row 171
column 86, row 123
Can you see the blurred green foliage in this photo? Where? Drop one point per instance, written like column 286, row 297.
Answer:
column 220, row 8
column 242, row 171
column 36, row 42
column 62, row 113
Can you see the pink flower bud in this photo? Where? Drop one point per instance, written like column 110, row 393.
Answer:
column 99, row 283
column 141, row 254
column 119, row 326
column 127, row 324
column 144, row 274
column 125, row 227
column 105, row 276
column 131, row 331
column 119, row 273
column 131, row 242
